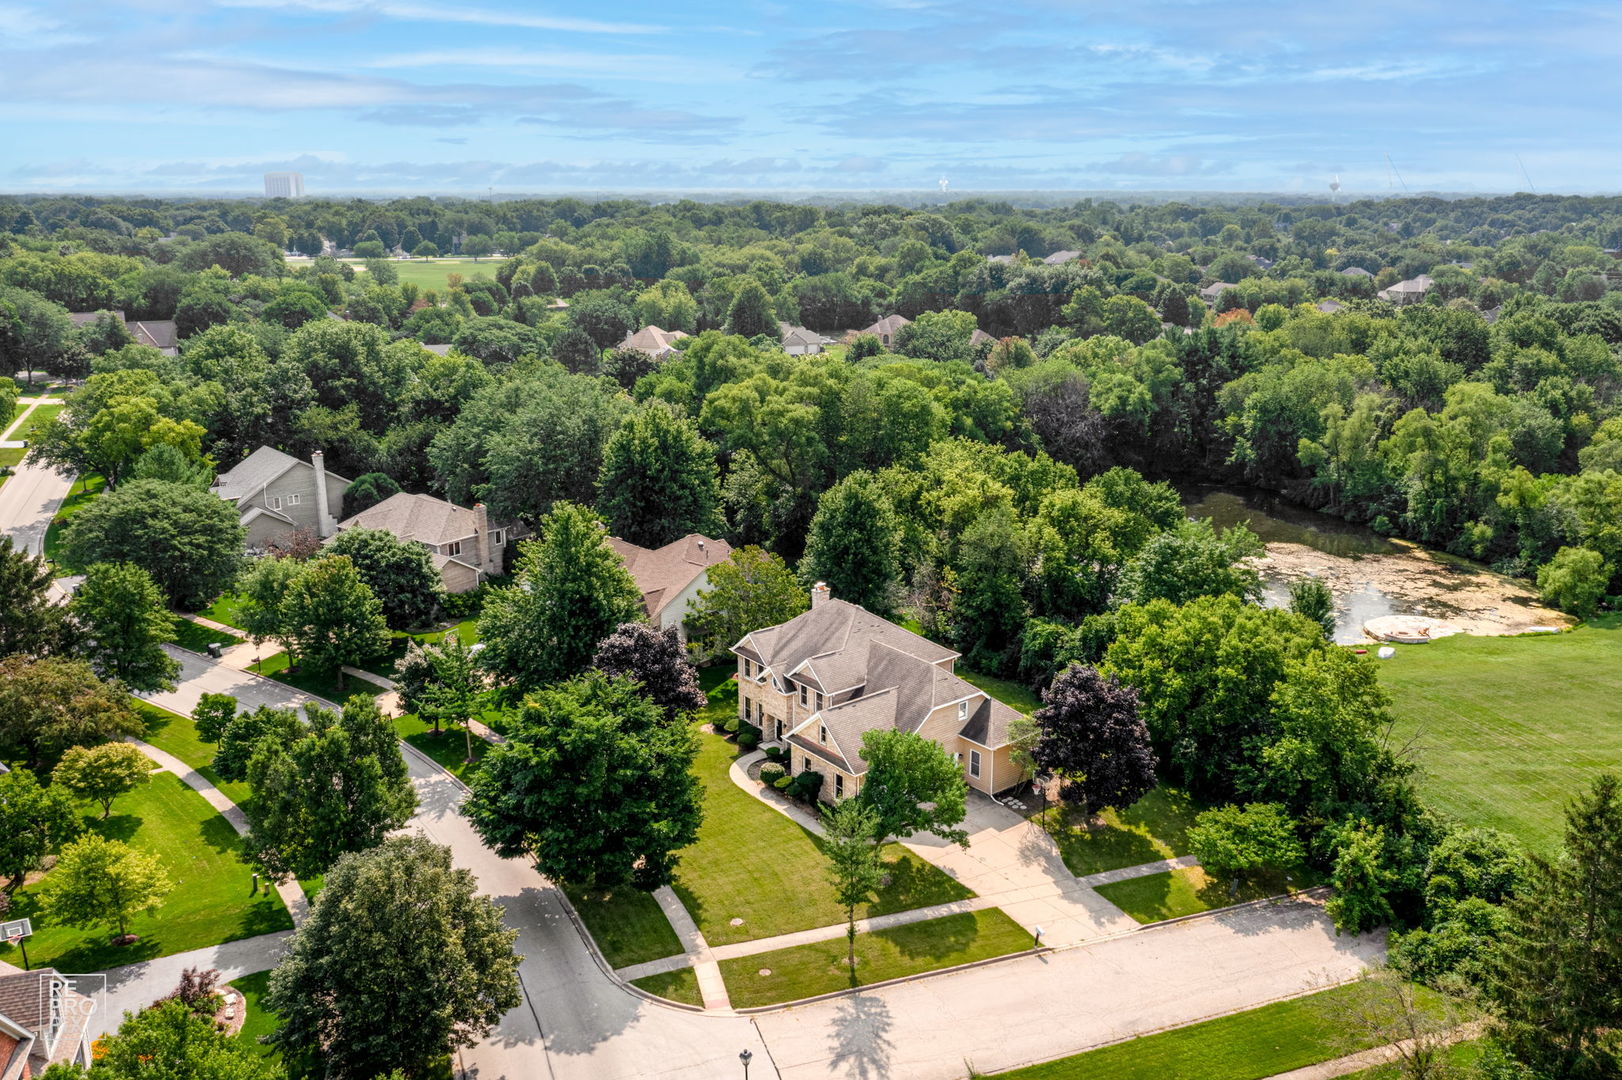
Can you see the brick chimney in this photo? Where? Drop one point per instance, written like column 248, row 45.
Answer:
column 325, row 526
column 481, row 538
column 819, row 593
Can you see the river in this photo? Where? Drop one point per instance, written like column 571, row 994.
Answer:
column 1370, row 575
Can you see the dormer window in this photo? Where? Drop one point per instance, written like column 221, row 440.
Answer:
column 805, row 694
column 453, row 548
column 963, row 712
column 819, row 701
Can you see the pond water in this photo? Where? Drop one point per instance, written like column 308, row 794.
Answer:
column 1370, row 575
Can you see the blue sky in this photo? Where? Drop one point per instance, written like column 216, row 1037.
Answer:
column 448, row 96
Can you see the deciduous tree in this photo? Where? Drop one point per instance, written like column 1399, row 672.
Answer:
column 657, row 660
column 102, row 882
column 1239, row 842
column 188, row 539
column 331, row 618
column 51, row 704
column 1093, row 737
column 399, row 573
column 849, row 842
column 912, row 785
column 659, row 482
column 352, row 989
column 35, row 821
column 33, row 623
column 125, row 623
column 103, row 773
column 854, row 545
column 754, row 588
column 173, row 1041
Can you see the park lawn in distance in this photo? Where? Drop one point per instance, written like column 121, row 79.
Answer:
column 1507, row 730
column 448, row 748
column 258, row 1019
column 1248, row 1045
column 197, row 637
column 754, row 864
column 627, row 924
column 802, row 971
column 1190, row 890
column 680, row 985
column 1151, row 829
column 42, row 415
column 226, row 610
column 80, row 494
column 177, row 735
column 435, row 273
column 208, row 904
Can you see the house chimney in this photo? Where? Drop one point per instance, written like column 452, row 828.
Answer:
column 819, row 593
column 481, row 538
column 325, row 526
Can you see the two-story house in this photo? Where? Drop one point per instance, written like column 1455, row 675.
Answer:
column 276, row 495
column 463, row 544
column 670, row 577
column 819, row 682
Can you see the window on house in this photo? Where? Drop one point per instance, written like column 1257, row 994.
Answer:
column 746, row 667
column 274, row 502
column 779, row 730
column 819, row 701
column 804, row 694
column 839, row 785
column 974, row 763
column 822, row 734
column 963, row 712
column 748, row 708
column 292, row 500
column 498, row 537
column 454, row 548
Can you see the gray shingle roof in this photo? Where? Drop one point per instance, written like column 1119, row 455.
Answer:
column 422, row 518
column 253, row 472
column 890, row 324
column 653, row 341
column 1059, row 258
column 662, row 573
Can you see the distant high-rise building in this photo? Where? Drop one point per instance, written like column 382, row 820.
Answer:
column 284, row 185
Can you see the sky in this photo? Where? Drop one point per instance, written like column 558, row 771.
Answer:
column 447, row 96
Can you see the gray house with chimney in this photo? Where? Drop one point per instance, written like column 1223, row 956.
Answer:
column 464, row 546
column 277, row 495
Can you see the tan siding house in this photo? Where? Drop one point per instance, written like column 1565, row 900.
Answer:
column 818, row 683
column 464, row 545
column 670, row 577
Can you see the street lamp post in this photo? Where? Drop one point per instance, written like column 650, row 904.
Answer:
column 745, row 1057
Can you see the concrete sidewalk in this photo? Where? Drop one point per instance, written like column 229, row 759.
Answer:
column 135, row 986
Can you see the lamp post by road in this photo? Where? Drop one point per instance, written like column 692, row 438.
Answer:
column 745, row 1057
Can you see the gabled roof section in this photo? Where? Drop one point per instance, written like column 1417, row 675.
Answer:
column 253, row 472
column 422, row 518
column 890, row 324
column 847, row 724
column 662, row 573
column 988, row 723
column 1059, row 258
column 653, row 341
column 831, row 627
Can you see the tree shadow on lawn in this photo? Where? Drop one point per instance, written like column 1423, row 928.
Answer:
column 121, row 827
column 1121, row 838
column 934, row 939
column 220, row 835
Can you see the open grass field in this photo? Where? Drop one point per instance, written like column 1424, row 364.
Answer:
column 209, row 903
column 1245, row 1046
column 679, row 986
column 1153, row 828
column 627, row 925
column 1508, row 729
column 177, row 735
column 435, row 273
column 807, row 970
column 83, row 491
column 1190, row 890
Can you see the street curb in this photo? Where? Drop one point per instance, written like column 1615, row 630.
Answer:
column 757, row 1010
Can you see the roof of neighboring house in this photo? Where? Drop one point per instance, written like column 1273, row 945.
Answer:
column 653, row 341
column 259, row 468
column 799, row 335
column 662, row 573
column 440, row 350
column 1000, row 258
column 1329, row 307
column 1058, row 258
column 158, row 333
column 890, row 324
column 979, row 336
column 422, row 518
column 877, row 674
column 25, row 1019
column 1215, row 289
column 1356, row 271
column 1420, row 285
column 84, row 318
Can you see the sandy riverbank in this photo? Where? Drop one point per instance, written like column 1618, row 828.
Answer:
column 1415, row 581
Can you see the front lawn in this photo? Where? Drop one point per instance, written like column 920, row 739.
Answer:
column 1245, row 1046
column 209, row 903
column 627, row 924
column 311, row 682
column 80, row 495
column 226, row 609
column 258, row 1019
column 1507, row 730
column 42, row 415
column 466, row 631
column 177, row 735
column 448, row 748
column 754, row 865
column 197, row 637
column 1190, row 890
column 680, row 985
column 1151, row 829
column 803, row 971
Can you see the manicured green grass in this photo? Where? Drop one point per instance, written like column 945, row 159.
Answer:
column 435, row 273
column 1190, row 890
column 12, row 457
column 83, row 491
column 258, row 1020
column 1015, row 695
column 226, row 609
column 16, row 411
column 1153, row 828
column 466, row 631
column 754, row 864
column 679, row 986
column 311, row 682
column 807, row 970
column 177, row 735
column 209, row 903
column 448, row 748
column 42, row 415
column 627, row 925
column 1509, row 729
column 197, row 637
column 1245, row 1046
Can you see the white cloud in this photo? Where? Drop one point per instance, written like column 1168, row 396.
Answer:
column 421, row 12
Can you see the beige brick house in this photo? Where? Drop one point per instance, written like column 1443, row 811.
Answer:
column 817, row 683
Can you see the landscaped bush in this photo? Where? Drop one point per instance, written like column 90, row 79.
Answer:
column 771, row 773
column 783, row 783
column 806, row 785
column 731, row 725
column 748, row 740
column 774, row 753
column 465, row 605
